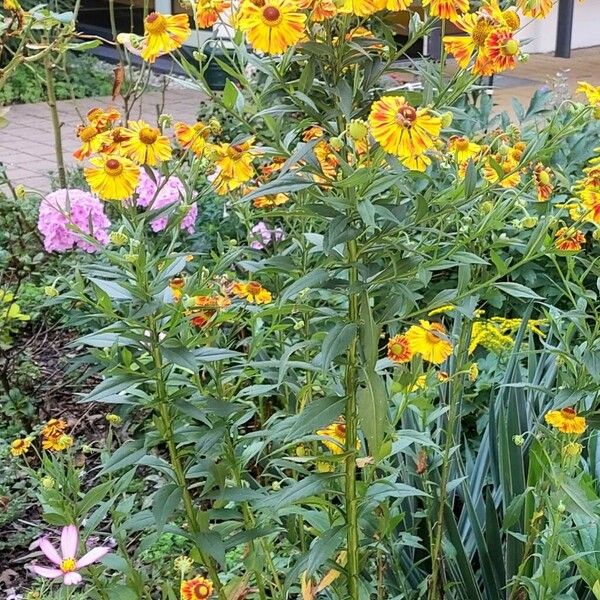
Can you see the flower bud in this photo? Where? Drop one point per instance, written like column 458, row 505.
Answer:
column 118, row 238
column 300, row 451
column 324, row 467
column 199, row 56
column 486, row 207
column 87, row 449
column 529, row 222
column 20, row 191
column 298, row 325
column 573, row 449
column 131, row 258
column 358, row 129
column 561, row 508
column 518, row 440
column 47, row 482
column 473, row 372
column 50, row 291
column 446, row 119
column 215, row 126
column 276, row 486
column 114, row 420
column 504, row 149
column 183, row 564
column 165, row 121
column 336, row 143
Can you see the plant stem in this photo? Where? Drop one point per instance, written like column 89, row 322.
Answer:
column 351, row 418
column 176, row 463
column 56, row 128
column 435, row 584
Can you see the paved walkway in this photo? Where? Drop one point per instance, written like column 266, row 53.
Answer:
column 27, row 143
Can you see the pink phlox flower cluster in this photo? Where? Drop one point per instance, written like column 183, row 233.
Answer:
column 171, row 191
column 262, row 235
column 62, row 209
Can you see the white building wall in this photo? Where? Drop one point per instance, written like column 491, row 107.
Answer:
column 541, row 33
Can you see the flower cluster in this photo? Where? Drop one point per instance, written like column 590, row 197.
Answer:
column 53, row 436
column 496, row 334
column 262, row 235
column 156, row 192
column 489, row 45
column 67, row 214
column 428, row 339
column 583, row 208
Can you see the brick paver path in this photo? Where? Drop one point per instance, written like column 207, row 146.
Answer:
column 27, row 143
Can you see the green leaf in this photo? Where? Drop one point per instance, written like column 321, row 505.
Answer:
column 115, row 291
column 310, row 280
column 312, row 485
column 517, row 290
column 165, row 503
column 372, row 403
column 128, row 454
column 230, row 94
column 336, row 342
column 324, row 548
column 318, row 414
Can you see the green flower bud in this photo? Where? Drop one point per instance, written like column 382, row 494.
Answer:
column 165, row 121
column 47, row 482
column 183, row 564
column 114, row 420
column 215, row 126
column 131, row 258
column 20, row 191
column 50, row 291
column 358, row 129
column 118, row 238
column 518, row 440
column 529, row 222
column 446, row 119
column 336, row 143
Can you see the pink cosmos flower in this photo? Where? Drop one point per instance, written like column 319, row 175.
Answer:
column 263, row 236
column 67, row 565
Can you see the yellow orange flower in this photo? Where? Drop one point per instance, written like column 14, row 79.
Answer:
column 590, row 207
column 270, row 201
column 569, row 239
column 205, row 306
column 92, row 141
column 502, row 50
column 252, row 291
column 402, row 129
column 234, row 165
column 537, row 9
column 57, row 443
column 361, row 8
column 542, row 178
column 20, row 446
column 463, row 47
column 447, row 9
column 208, row 11
column 101, row 119
column 272, row 26
column 176, row 286
column 591, row 92
column 430, row 340
column 145, row 144
column 397, row 5
column 509, row 168
column 398, row 349
column 566, row 420
column 54, row 428
column 336, row 431
column 198, row 588
column 164, row 33
column 462, row 148
column 192, row 137
column 112, row 177
column 321, row 10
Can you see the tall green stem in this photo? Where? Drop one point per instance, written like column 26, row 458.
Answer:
column 176, row 463
column 58, row 147
column 351, row 416
column 435, row 585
